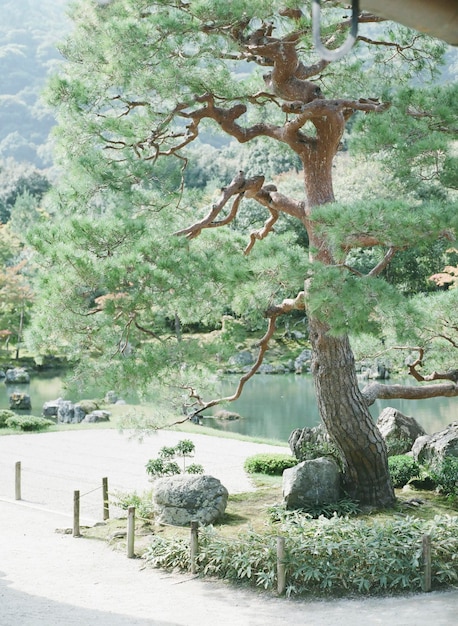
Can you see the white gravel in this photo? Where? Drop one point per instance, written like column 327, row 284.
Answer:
column 50, row 579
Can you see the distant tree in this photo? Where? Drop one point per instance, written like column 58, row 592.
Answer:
column 142, row 82
column 20, row 179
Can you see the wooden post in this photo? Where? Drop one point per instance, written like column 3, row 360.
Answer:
column 76, row 514
column 281, row 569
column 194, row 545
column 426, row 549
column 106, row 508
column 131, row 532
column 18, row 481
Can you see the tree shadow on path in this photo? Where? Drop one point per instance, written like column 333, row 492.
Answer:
column 22, row 609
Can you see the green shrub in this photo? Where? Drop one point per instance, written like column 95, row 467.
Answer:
column 160, row 467
column 445, row 476
column 164, row 465
column 4, row 415
column 272, row 464
column 324, row 556
column 143, row 504
column 402, row 468
column 195, row 468
column 28, row 422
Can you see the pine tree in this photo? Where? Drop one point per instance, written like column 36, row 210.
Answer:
column 142, row 82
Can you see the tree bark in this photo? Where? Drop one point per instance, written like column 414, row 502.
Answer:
column 342, row 406
column 347, row 419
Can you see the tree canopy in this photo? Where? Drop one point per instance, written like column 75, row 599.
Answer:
column 129, row 247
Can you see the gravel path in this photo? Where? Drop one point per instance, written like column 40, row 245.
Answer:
column 50, row 579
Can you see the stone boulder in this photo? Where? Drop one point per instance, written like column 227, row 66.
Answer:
column 69, row 413
column 432, row 448
column 180, row 499
column 20, row 401
column 51, row 408
column 302, row 362
column 111, row 397
column 311, row 482
column 241, row 359
column 305, row 442
column 17, row 375
column 398, row 430
column 97, row 416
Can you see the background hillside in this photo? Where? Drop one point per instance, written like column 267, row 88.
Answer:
column 29, row 31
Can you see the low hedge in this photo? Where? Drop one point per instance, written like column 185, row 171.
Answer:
column 28, row 422
column 272, row 464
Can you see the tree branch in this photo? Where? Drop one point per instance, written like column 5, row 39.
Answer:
column 379, row 391
column 273, row 312
column 257, row 235
column 375, row 271
column 238, row 186
column 242, row 187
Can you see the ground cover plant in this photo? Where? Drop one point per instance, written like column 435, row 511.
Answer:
column 324, row 556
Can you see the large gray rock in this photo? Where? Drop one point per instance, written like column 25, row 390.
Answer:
column 97, row 416
column 178, row 500
column 241, row 359
column 17, row 375
column 20, row 401
column 51, row 408
column 311, row 482
column 308, row 443
column 431, row 448
column 398, row 430
column 302, row 362
column 69, row 413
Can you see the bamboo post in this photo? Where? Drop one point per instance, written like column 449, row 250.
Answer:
column 106, row 508
column 131, row 532
column 194, row 545
column 426, row 550
column 76, row 514
column 17, row 481
column 281, row 569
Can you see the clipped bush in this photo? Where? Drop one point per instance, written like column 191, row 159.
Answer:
column 324, row 556
column 4, row 415
column 444, row 474
column 271, row 464
column 28, row 422
column 402, row 468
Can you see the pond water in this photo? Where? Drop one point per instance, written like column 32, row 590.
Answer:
column 271, row 406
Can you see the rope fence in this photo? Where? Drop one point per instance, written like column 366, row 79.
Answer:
column 194, row 537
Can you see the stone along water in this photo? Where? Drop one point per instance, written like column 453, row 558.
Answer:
column 271, row 406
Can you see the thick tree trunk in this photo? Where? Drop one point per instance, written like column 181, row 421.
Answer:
column 348, row 421
column 342, row 407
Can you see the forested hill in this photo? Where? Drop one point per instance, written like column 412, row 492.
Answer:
column 29, row 30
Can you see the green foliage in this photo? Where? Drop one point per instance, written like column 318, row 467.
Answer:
column 143, row 503
column 413, row 138
column 402, row 468
column 324, row 556
column 271, row 464
column 159, row 467
column 165, row 466
column 343, row 508
column 4, row 415
column 28, row 422
column 445, row 475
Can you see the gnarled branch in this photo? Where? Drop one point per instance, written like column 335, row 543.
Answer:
column 379, row 391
